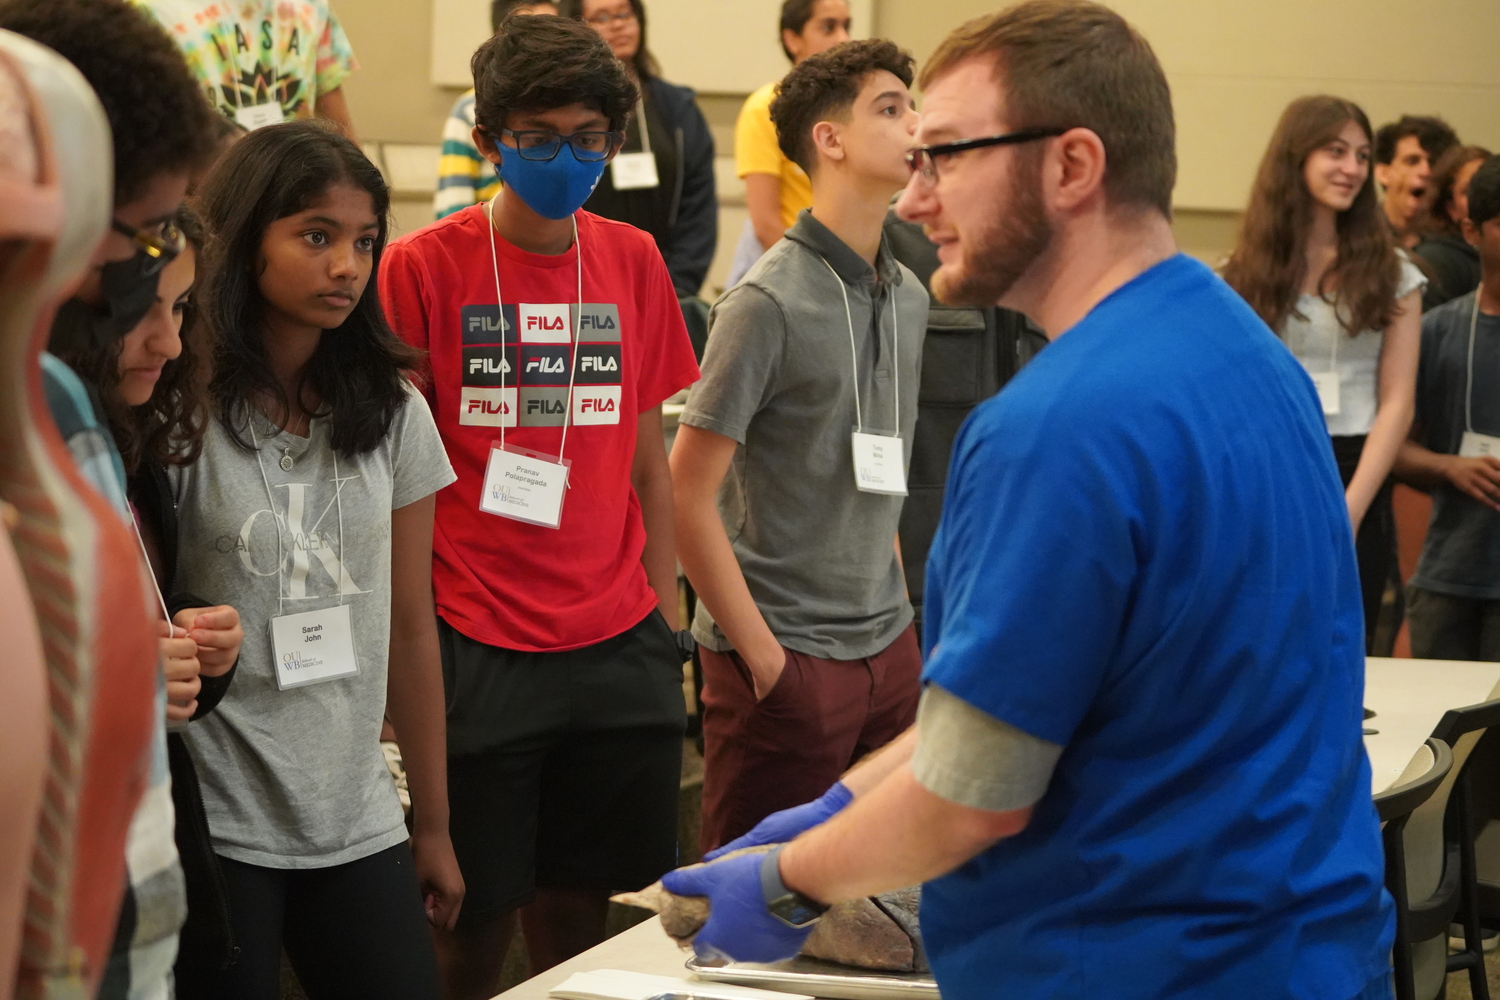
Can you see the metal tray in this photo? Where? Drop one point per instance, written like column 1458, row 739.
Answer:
column 822, row 979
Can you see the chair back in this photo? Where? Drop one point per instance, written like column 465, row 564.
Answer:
column 1433, row 763
column 1442, row 883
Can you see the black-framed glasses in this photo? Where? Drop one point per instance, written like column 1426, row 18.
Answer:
column 603, row 18
column 588, row 147
column 160, row 244
column 923, row 159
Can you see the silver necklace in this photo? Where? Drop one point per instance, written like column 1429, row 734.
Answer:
column 287, row 461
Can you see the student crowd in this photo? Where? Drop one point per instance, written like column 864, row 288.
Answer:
column 320, row 435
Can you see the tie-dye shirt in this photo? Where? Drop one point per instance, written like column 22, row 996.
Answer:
column 253, row 52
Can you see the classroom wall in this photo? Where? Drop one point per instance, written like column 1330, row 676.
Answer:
column 1233, row 66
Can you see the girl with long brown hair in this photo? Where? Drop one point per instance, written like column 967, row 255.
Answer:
column 1316, row 261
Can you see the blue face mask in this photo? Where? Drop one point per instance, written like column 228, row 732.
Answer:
column 554, row 188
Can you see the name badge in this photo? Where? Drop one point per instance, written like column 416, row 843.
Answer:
column 313, row 647
column 879, row 464
column 1327, row 384
column 633, row 171
column 1477, row 445
column 525, row 485
column 259, row 115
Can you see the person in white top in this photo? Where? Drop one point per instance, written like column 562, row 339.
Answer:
column 1317, row 261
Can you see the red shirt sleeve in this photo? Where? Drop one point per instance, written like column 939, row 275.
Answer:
column 667, row 362
column 403, row 296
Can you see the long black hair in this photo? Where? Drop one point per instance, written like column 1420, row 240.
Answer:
column 358, row 369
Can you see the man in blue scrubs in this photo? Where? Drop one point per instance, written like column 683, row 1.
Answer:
column 1137, row 769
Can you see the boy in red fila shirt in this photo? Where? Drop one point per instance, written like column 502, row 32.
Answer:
column 553, row 336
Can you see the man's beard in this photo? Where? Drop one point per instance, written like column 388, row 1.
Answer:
column 997, row 254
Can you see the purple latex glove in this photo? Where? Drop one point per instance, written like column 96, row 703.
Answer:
column 740, row 928
column 780, row 827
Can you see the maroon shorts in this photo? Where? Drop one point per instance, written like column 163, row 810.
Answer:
column 821, row 717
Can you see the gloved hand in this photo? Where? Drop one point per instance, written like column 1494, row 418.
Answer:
column 740, row 928
column 779, row 827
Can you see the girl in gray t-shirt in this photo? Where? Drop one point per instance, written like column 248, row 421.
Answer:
column 311, row 509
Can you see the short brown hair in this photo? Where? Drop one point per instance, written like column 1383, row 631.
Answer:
column 826, row 86
column 538, row 62
column 1076, row 64
column 1434, row 135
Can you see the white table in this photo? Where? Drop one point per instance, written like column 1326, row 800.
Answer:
column 643, row 948
column 1409, row 697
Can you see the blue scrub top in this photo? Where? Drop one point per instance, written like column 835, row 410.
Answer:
column 1145, row 556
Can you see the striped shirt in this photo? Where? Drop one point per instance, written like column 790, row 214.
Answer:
column 155, row 902
column 464, row 176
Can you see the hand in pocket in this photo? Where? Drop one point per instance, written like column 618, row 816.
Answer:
column 766, row 671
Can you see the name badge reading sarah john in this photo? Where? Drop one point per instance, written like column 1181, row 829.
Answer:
column 633, row 171
column 259, row 116
column 879, row 464
column 525, row 485
column 313, row 647
column 1477, row 445
column 1327, row 384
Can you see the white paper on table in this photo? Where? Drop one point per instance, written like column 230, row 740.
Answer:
column 615, row 984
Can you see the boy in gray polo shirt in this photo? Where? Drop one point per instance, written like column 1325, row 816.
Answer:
column 807, row 403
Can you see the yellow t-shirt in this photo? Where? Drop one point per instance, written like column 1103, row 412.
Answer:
column 756, row 152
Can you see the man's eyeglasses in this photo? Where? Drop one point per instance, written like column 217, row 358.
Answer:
column 923, row 159
column 588, row 147
column 603, row 18
column 160, row 244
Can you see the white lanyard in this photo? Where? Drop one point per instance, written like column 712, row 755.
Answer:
column 135, row 526
column 310, row 647
column 640, row 116
column 572, row 331
column 859, row 419
column 879, row 459
column 636, row 171
column 1469, row 382
column 1327, row 383
column 1473, row 444
column 338, row 496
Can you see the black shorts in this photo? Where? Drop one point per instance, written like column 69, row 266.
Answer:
column 563, row 768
